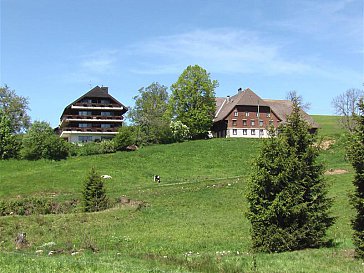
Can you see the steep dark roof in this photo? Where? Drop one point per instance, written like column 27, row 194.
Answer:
column 97, row 92
column 282, row 108
column 225, row 105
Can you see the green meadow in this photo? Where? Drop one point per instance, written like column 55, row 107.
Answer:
column 193, row 221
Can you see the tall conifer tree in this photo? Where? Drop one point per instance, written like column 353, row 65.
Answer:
column 356, row 155
column 288, row 206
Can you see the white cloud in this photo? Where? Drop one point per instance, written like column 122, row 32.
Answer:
column 219, row 50
column 94, row 66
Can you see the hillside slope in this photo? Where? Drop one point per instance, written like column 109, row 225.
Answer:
column 193, row 221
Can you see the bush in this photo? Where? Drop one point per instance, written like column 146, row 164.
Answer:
column 127, row 135
column 36, row 205
column 41, row 142
column 180, row 132
column 9, row 146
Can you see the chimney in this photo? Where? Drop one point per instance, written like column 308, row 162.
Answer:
column 240, row 90
column 105, row 89
column 228, row 98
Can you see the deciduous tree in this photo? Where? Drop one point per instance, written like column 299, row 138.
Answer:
column 9, row 147
column 15, row 108
column 346, row 106
column 288, row 206
column 193, row 100
column 149, row 114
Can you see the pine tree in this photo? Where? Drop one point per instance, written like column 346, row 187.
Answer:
column 94, row 193
column 288, row 207
column 356, row 155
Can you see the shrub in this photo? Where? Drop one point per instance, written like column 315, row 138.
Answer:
column 94, row 193
column 180, row 132
column 41, row 142
column 9, row 146
column 127, row 135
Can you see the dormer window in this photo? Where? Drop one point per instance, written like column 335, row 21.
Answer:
column 247, row 114
column 236, row 113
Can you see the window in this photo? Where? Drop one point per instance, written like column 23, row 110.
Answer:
column 236, row 113
column 105, row 125
column 247, row 114
column 235, row 131
column 104, row 101
column 84, row 125
column 245, row 132
column 84, row 113
column 244, row 122
column 234, row 122
column 258, row 114
column 86, row 101
column 84, row 138
column 252, row 132
column 261, row 132
column 106, row 114
column 261, row 123
column 252, row 122
column 268, row 115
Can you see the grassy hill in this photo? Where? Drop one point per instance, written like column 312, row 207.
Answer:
column 192, row 222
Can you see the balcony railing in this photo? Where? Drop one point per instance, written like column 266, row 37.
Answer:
column 93, row 117
column 78, row 129
column 86, row 104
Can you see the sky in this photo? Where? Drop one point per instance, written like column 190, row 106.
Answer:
column 52, row 52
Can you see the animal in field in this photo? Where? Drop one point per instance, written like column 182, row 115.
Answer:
column 105, row 176
column 157, row 178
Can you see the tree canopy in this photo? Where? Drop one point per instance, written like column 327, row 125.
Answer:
column 41, row 142
column 15, row 108
column 346, row 106
column 193, row 100
column 9, row 146
column 149, row 113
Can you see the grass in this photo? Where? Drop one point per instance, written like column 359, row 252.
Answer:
column 193, row 222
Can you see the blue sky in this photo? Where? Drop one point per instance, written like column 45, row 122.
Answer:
column 53, row 51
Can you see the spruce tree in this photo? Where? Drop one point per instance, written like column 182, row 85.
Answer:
column 356, row 155
column 288, row 206
column 94, row 193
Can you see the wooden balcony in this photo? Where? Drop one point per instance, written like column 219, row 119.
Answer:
column 93, row 130
column 109, row 105
column 94, row 118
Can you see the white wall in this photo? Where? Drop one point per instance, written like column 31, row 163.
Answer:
column 239, row 133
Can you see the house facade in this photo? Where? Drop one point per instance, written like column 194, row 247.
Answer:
column 95, row 116
column 247, row 115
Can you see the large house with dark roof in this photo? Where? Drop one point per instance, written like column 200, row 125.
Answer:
column 247, row 115
column 95, row 116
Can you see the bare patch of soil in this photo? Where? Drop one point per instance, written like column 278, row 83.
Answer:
column 337, row 171
column 326, row 144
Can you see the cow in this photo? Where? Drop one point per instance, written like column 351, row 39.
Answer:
column 157, row 178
